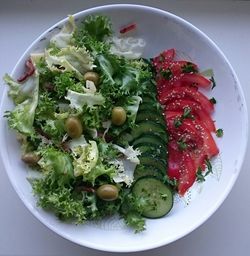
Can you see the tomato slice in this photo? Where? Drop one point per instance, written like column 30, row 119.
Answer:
column 194, row 134
column 175, row 93
column 165, row 57
column 183, row 163
column 181, row 167
column 195, row 80
column 186, row 133
column 188, row 176
column 196, row 110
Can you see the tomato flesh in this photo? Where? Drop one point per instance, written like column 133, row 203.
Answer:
column 196, row 110
column 190, row 93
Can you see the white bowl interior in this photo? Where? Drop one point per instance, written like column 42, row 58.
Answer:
column 161, row 30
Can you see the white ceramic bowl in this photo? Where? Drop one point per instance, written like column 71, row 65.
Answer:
column 161, row 30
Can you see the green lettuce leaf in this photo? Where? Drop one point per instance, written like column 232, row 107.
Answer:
column 78, row 100
column 22, row 117
column 85, row 159
column 131, row 107
column 58, row 162
column 70, row 58
column 60, row 199
column 64, row 37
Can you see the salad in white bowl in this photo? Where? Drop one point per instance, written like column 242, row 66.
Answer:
column 109, row 128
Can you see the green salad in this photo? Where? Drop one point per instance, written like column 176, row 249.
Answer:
column 88, row 121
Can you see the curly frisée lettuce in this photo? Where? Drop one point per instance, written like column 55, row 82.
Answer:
column 64, row 113
column 22, row 117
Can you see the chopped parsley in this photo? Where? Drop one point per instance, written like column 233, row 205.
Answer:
column 219, row 133
column 167, row 74
column 213, row 82
column 189, row 68
column 201, row 175
column 213, row 100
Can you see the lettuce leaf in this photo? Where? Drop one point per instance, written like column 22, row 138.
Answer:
column 92, row 32
column 131, row 107
column 70, row 58
column 20, row 92
column 64, row 37
column 85, row 159
column 78, row 100
column 58, row 162
column 22, row 117
column 60, row 199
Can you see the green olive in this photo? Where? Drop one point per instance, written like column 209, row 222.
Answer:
column 107, row 192
column 73, row 127
column 30, row 158
column 91, row 76
column 119, row 116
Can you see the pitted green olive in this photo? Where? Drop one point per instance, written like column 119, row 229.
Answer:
column 73, row 127
column 119, row 116
column 30, row 158
column 91, row 76
column 107, row 192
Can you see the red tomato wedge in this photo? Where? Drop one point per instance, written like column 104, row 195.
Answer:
column 165, row 57
column 167, row 96
column 197, row 145
column 195, row 79
column 194, row 133
column 196, row 111
column 181, row 167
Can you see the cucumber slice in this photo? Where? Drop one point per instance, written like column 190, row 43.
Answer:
column 152, row 139
column 153, row 150
column 152, row 116
column 153, row 163
column 158, row 195
column 124, row 139
column 141, row 171
column 149, row 127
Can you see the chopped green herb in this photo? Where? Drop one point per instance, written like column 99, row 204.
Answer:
column 177, row 122
column 167, row 74
column 189, row 68
column 182, row 145
column 213, row 100
column 199, row 176
column 219, row 133
column 213, row 82
column 208, row 72
column 187, row 113
column 209, row 167
column 171, row 182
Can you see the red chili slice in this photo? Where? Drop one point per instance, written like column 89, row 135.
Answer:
column 30, row 69
column 128, row 28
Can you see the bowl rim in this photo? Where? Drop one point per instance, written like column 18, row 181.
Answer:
column 240, row 159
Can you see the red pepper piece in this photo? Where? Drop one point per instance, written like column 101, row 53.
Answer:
column 128, row 28
column 30, row 69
